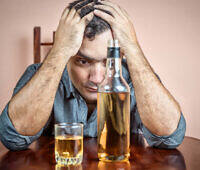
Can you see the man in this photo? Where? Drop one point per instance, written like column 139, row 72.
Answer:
column 64, row 87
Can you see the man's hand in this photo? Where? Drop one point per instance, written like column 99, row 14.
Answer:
column 70, row 31
column 120, row 22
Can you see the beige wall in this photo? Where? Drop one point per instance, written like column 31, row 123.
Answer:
column 168, row 31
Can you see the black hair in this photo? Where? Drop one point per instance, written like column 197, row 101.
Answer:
column 97, row 25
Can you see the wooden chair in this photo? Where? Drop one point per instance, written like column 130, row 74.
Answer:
column 37, row 44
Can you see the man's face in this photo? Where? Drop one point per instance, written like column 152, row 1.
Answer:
column 87, row 68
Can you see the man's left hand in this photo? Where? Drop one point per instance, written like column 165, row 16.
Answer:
column 121, row 25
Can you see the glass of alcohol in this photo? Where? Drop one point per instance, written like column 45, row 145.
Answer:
column 69, row 143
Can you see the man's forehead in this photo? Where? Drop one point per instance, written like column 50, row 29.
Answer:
column 96, row 48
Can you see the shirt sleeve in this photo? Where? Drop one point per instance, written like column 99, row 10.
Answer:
column 8, row 134
column 166, row 142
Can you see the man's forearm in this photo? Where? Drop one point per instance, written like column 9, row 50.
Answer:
column 31, row 107
column 158, row 110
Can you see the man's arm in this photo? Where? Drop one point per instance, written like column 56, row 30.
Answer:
column 158, row 110
column 31, row 107
column 8, row 134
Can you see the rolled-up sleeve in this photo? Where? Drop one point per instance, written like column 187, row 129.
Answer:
column 166, row 142
column 10, row 137
column 8, row 134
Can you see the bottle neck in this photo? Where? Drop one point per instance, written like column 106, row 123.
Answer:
column 113, row 67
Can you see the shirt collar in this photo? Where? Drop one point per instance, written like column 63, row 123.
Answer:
column 68, row 86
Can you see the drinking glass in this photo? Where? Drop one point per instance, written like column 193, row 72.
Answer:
column 69, row 143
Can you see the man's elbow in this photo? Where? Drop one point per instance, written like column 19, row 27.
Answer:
column 14, row 146
column 167, row 145
column 167, row 142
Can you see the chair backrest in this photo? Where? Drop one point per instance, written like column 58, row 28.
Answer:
column 37, row 43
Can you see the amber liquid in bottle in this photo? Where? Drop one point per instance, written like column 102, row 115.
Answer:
column 113, row 134
column 113, row 112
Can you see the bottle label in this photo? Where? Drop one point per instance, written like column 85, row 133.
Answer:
column 113, row 52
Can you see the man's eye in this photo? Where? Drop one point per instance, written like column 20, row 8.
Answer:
column 83, row 62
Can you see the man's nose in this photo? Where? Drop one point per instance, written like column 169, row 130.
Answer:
column 97, row 74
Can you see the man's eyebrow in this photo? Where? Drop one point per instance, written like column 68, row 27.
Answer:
column 86, row 57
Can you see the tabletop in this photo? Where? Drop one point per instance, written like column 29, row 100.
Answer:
column 40, row 156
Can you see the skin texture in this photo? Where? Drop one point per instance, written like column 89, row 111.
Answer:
column 158, row 110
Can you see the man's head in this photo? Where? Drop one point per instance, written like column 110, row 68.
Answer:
column 97, row 25
column 87, row 68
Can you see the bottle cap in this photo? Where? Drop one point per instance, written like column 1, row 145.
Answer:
column 110, row 43
column 116, row 43
column 113, row 43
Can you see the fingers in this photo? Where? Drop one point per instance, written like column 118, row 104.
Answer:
column 113, row 8
column 65, row 13
column 86, row 9
column 82, row 4
column 104, row 16
column 80, row 14
column 71, row 14
column 78, row 11
column 87, row 18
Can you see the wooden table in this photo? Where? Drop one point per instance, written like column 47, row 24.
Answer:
column 40, row 156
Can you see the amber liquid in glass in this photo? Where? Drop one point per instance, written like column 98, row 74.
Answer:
column 113, row 126
column 69, row 150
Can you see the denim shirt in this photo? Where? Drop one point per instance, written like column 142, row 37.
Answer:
column 69, row 106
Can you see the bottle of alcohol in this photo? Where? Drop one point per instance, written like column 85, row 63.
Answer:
column 113, row 110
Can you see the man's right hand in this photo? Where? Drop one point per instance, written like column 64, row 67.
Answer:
column 70, row 32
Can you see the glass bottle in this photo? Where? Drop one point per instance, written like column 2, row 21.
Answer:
column 113, row 110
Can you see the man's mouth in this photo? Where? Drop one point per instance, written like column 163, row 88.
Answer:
column 92, row 89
